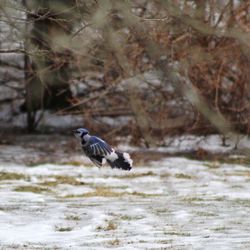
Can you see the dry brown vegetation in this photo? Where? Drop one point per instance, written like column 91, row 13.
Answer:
column 169, row 67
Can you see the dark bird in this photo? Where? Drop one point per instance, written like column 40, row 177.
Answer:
column 99, row 151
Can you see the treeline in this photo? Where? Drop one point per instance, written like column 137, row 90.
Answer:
column 170, row 66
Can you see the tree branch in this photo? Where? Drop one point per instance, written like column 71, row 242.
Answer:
column 5, row 51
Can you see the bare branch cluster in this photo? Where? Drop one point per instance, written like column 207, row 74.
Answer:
column 169, row 67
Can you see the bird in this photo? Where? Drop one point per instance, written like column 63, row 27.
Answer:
column 100, row 152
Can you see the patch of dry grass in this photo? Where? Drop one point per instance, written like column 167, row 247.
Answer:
column 32, row 189
column 61, row 179
column 131, row 218
column 107, row 192
column 206, row 214
column 177, row 233
column 11, row 176
column 136, row 175
column 182, row 176
column 222, row 228
column 190, row 199
column 110, row 226
column 114, row 242
column 73, row 163
column 63, row 229
column 73, row 217
column 99, row 191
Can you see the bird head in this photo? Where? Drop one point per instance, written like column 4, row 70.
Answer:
column 80, row 132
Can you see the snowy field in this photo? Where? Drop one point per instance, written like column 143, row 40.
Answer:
column 173, row 203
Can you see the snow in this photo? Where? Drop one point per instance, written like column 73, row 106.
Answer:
column 174, row 203
column 188, row 143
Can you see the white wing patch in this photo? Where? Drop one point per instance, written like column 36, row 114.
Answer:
column 97, row 150
column 93, row 147
column 103, row 161
column 128, row 159
column 112, row 156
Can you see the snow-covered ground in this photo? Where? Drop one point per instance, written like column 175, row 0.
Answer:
column 187, row 143
column 173, row 203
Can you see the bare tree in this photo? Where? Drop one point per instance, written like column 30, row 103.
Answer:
column 170, row 66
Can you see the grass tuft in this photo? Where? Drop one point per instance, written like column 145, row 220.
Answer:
column 73, row 163
column 32, row 189
column 61, row 179
column 182, row 176
column 136, row 175
column 11, row 176
column 63, row 229
column 110, row 226
column 114, row 242
column 107, row 192
column 73, row 217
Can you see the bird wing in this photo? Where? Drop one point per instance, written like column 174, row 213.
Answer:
column 97, row 160
column 97, row 147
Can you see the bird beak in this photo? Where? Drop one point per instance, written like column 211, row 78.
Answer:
column 74, row 131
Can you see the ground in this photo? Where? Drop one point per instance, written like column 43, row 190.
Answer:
column 166, row 203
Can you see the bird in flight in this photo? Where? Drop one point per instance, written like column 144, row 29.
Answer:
column 100, row 152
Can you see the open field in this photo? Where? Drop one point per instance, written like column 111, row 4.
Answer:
column 173, row 203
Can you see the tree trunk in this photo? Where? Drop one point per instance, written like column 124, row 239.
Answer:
column 47, row 79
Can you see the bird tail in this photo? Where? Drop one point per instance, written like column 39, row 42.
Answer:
column 120, row 160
